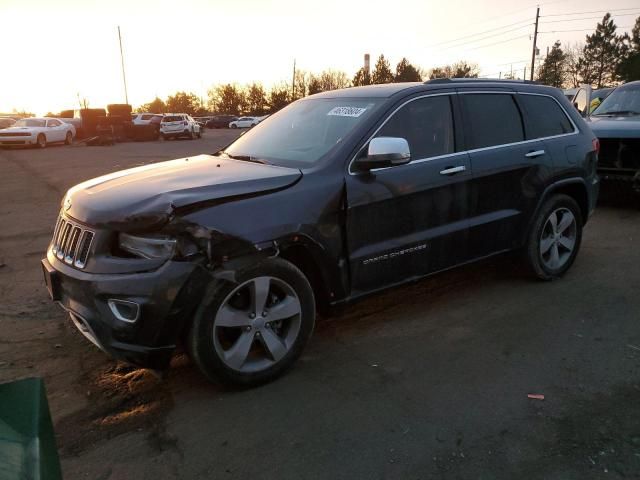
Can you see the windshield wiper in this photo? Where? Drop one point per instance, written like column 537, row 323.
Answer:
column 244, row 158
column 616, row 112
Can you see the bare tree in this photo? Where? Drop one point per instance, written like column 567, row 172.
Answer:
column 572, row 54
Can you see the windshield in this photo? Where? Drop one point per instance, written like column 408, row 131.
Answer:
column 29, row 122
column 622, row 100
column 303, row 132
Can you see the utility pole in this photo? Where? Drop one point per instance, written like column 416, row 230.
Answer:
column 124, row 79
column 535, row 41
column 524, row 75
column 293, row 82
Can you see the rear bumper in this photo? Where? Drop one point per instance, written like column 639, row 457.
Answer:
column 165, row 298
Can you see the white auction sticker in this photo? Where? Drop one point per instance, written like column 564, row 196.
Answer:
column 347, row 111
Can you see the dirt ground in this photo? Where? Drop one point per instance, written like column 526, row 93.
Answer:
column 426, row 381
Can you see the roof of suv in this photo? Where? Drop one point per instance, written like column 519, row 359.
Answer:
column 389, row 89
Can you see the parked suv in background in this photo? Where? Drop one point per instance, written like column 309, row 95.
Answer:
column 146, row 118
column 175, row 125
column 616, row 123
column 334, row 197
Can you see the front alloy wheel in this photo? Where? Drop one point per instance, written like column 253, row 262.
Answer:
column 250, row 331
column 257, row 324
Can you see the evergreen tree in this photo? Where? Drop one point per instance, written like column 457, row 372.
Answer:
column 382, row 72
column 554, row 68
column 602, row 54
column 405, row 72
column 629, row 69
column 361, row 78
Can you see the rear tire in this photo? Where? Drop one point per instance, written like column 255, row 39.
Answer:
column 68, row 140
column 554, row 240
column 234, row 126
column 260, row 345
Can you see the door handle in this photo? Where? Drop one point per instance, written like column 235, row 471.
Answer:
column 535, row 153
column 453, row 170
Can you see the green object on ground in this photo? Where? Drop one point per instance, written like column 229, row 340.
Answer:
column 27, row 443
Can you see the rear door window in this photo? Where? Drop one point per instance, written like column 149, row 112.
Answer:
column 426, row 123
column 545, row 118
column 491, row 119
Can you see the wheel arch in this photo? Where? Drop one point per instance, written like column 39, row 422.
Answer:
column 303, row 257
column 575, row 188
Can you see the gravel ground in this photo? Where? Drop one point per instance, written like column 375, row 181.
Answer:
column 429, row 380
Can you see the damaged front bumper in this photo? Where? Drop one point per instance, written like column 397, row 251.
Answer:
column 134, row 317
column 619, row 161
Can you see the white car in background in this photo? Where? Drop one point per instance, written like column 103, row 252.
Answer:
column 176, row 125
column 146, row 118
column 244, row 122
column 37, row 131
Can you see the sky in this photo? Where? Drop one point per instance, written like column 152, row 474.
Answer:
column 56, row 50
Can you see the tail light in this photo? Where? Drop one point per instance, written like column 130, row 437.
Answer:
column 596, row 145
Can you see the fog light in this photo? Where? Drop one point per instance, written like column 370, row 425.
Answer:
column 124, row 310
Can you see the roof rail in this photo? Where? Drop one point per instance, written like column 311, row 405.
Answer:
column 474, row 80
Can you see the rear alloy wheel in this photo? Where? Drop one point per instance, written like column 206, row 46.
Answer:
column 233, row 125
column 68, row 139
column 555, row 237
column 42, row 140
column 249, row 332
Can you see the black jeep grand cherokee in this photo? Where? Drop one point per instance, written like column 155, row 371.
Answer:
column 336, row 196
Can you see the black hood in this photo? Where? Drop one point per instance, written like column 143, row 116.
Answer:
column 144, row 196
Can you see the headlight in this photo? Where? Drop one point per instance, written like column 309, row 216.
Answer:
column 148, row 247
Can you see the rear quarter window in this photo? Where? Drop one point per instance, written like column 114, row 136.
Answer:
column 545, row 118
column 491, row 119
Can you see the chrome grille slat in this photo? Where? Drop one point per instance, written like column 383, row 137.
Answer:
column 63, row 240
column 71, row 242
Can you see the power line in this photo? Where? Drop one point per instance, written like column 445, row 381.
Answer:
column 485, row 37
column 501, row 41
column 592, row 11
column 582, row 29
column 590, row 18
column 478, row 33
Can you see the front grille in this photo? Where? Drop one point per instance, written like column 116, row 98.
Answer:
column 71, row 243
column 15, row 134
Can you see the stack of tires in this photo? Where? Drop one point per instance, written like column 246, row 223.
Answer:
column 90, row 120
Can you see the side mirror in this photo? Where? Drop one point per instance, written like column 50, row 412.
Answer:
column 384, row 152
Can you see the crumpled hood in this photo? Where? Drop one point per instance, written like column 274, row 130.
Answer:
column 623, row 126
column 141, row 197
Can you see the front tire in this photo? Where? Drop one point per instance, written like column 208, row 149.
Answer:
column 555, row 237
column 251, row 331
column 41, row 141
